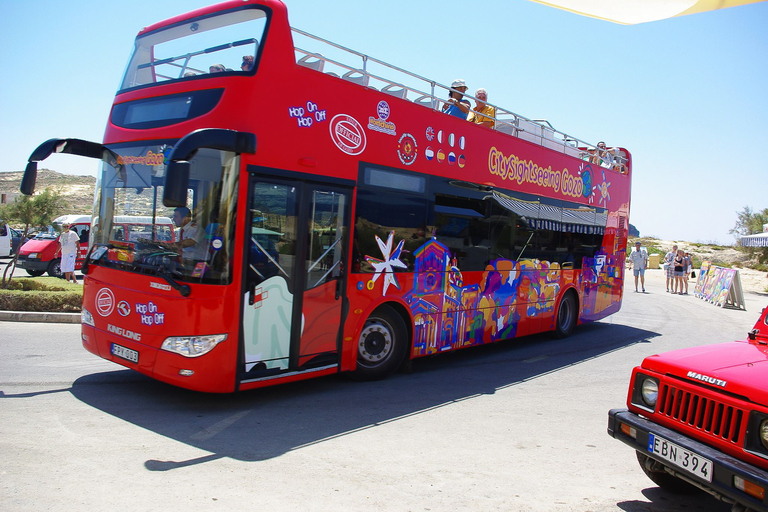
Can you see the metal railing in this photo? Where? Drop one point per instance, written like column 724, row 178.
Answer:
column 423, row 91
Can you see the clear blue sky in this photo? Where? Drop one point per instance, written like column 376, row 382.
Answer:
column 687, row 96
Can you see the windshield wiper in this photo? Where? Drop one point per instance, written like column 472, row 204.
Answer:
column 183, row 289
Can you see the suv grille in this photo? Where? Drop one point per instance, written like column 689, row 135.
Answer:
column 712, row 417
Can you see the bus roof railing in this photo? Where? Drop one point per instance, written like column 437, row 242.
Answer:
column 538, row 131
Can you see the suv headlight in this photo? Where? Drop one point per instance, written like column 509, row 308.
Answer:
column 192, row 346
column 650, row 391
column 764, row 433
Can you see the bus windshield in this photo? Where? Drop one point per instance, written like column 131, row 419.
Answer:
column 225, row 42
column 133, row 231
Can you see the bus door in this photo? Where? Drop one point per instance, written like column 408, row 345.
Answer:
column 296, row 265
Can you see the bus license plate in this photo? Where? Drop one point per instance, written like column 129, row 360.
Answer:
column 680, row 457
column 125, row 353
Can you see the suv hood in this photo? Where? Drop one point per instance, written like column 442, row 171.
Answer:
column 738, row 367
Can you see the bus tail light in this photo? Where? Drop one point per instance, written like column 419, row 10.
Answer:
column 192, row 346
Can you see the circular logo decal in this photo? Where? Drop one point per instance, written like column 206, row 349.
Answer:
column 430, row 133
column 451, row 138
column 347, row 134
column 429, row 153
column 382, row 109
column 406, row 149
column 462, row 142
column 451, row 158
column 217, row 243
column 123, row 308
column 105, row 302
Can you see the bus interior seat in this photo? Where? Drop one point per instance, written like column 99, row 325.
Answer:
column 507, row 128
column 529, row 131
column 331, row 73
column 316, row 64
column 357, row 76
column 426, row 100
column 395, row 90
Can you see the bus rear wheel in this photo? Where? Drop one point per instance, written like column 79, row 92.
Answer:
column 567, row 313
column 381, row 345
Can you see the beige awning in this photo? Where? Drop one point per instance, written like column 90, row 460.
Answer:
column 631, row 12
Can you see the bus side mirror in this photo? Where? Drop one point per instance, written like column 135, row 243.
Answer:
column 176, row 184
column 178, row 167
column 28, row 180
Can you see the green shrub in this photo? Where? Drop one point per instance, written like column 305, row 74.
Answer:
column 47, row 294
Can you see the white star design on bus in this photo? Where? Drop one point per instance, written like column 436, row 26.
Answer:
column 391, row 259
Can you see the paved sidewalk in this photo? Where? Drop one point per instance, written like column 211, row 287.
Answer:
column 35, row 316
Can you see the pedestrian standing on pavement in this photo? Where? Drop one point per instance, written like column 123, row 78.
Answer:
column 638, row 258
column 69, row 246
column 669, row 267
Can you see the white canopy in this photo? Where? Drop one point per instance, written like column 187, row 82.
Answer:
column 631, row 12
column 758, row 240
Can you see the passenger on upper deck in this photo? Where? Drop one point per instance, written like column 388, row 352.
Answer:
column 217, row 68
column 602, row 156
column 456, row 104
column 247, row 64
column 481, row 107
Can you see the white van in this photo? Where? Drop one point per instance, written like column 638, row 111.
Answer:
column 7, row 243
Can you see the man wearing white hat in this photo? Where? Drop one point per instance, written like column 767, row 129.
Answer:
column 456, row 104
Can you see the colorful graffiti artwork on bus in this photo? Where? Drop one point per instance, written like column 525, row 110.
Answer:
column 449, row 313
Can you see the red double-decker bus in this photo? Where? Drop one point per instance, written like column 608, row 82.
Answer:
column 330, row 217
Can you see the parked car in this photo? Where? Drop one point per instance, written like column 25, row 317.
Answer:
column 699, row 416
column 10, row 239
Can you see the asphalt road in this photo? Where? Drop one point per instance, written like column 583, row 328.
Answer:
column 518, row 426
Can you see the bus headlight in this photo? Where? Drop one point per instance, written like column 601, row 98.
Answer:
column 650, row 392
column 86, row 318
column 192, row 346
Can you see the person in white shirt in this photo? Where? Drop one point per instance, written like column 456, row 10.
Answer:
column 69, row 247
column 188, row 234
column 639, row 260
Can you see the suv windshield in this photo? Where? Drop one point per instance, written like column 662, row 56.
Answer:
column 133, row 231
column 224, row 42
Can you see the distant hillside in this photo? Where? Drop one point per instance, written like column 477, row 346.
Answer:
column 77, row 191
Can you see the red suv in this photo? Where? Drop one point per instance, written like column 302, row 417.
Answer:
column 700, row 416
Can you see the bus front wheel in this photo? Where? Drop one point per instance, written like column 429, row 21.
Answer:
column 381, row 345
column 567, row 314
